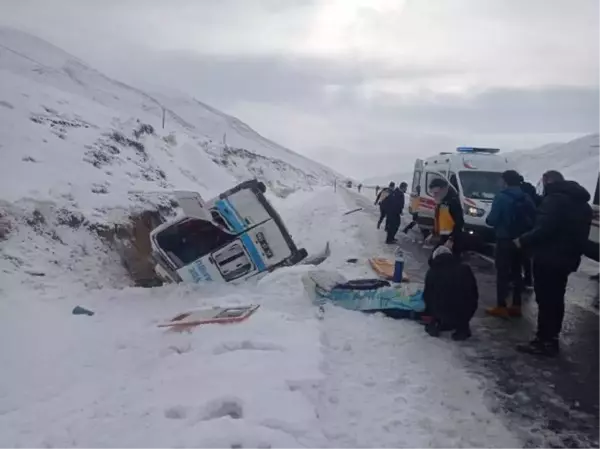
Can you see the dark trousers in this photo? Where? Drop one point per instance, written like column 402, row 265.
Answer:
column 382, row 215
column 527, row 268
column 550, row 284
column 456, row 247
column 508, row 269
column 393, row 223
column 411, row 225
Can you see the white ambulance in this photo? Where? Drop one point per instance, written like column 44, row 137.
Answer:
column 231, row 238
column 475, row 174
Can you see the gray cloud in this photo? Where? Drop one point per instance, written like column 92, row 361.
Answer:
column 344, row 80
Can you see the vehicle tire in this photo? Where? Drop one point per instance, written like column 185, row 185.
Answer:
column 425, row 232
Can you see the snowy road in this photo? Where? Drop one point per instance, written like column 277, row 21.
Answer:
column 550, row 403
column 284, row 378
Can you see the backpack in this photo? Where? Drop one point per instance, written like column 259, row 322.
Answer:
column 522, row 217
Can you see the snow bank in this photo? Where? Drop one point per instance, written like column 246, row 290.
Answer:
column 116, row 379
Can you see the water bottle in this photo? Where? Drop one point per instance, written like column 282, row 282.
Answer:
column 398, row 266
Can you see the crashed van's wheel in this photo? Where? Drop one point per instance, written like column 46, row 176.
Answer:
column 262, row 187
column 425, row 232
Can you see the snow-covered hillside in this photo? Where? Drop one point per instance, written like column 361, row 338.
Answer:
column 397, row 177
column 577, row 160
column 71, row 131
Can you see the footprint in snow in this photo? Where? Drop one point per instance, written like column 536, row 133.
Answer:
column 221, row 408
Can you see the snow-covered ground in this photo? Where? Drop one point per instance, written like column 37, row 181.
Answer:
column 282, row 378
column 78, row 157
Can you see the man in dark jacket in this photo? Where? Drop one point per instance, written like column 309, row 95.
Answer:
column 512, row 214
column 381, row 196
column 449, row 219
column 557, row 243
column 450, row 295
column 529, row 190
column 393, row 205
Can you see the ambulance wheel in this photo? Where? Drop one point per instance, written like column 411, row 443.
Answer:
column 262, row 187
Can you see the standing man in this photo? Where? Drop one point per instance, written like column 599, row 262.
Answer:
column 529, row 190
column 512, row 215
column 557, row 242
column 379, row 200
column 526, row 263
column 449, row 218
column 393, row 205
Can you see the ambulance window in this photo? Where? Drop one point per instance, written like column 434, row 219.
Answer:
column 416, row 183
column 428, row 178
column 480, row 185
column 454, row 180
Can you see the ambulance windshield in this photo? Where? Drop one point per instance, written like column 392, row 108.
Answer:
column 480, row 185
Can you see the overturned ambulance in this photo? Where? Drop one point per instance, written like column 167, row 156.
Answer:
column 231, row 238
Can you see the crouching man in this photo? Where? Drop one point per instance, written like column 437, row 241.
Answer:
column 450, row 295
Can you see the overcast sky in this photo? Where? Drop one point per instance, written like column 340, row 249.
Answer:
column 364, row 86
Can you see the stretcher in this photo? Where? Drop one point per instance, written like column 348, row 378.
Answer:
column 385, row 268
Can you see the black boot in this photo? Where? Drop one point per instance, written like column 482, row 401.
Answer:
column 461, row 334
column 546, row 348
column 433, row 329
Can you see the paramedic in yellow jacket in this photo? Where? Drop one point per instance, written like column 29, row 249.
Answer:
column 449, row 219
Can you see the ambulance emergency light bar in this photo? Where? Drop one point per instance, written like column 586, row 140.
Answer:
column 477, row 150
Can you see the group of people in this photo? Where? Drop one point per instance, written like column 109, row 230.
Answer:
column 539, row 243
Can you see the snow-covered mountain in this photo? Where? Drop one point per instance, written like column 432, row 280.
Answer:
column 398, row 177
column 577, row 160
column 77, row 135
column 82, row 152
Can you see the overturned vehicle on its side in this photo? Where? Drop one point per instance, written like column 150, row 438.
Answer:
column 231, row 238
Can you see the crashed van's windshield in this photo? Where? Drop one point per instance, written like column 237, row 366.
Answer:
column 190, row 240
column 480, row 185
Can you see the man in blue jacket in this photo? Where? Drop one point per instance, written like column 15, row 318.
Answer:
column 512, row 215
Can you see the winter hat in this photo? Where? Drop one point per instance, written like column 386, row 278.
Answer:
column 441, row 250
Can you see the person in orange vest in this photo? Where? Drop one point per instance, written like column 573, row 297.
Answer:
column 449, row 219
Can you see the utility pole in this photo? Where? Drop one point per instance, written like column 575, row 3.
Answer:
column 163, row 117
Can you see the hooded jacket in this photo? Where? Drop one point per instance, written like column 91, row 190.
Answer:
column 450, row 293
column 528, row 189
column 562, row 226
column 501, row 215
column 393, row 204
